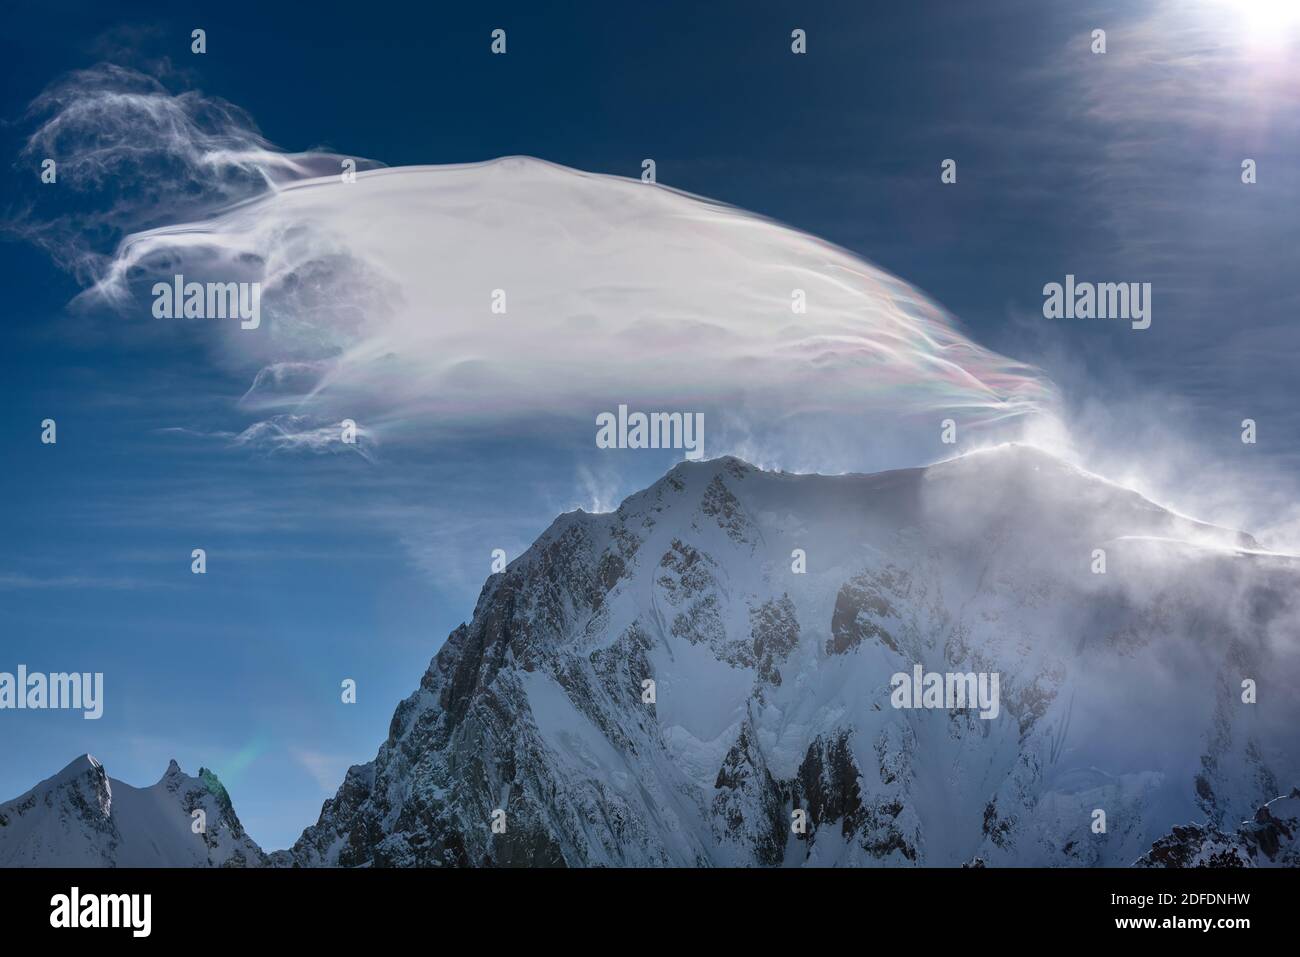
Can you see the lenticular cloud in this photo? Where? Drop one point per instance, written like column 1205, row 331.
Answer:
column 378, row 302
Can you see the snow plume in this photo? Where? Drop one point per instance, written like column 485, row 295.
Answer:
column 517, row 297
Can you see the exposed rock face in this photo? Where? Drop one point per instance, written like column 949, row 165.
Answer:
column 81, row 817
column 862, row 609
column 749, row 804
column 660, row 686
column 1270, row 839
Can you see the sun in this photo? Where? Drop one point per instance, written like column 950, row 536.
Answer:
column 1266, row 17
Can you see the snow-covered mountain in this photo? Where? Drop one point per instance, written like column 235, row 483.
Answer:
column 669, row 683
column 81, row 817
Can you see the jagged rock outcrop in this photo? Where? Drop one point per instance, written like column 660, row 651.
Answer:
column 1269, row 839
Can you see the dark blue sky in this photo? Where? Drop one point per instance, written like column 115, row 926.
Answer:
column 1122, row 167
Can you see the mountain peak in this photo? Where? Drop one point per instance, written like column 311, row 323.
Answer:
column 1012, row 455
column 80, row 817
column 766, row 612
column 78, row 766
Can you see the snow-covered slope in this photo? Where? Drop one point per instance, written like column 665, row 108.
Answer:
column 81, row 817
column 1120, row 692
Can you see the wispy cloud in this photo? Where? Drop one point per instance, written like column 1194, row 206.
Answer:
column 517, row 297
column 10, row 581
column 131, row 152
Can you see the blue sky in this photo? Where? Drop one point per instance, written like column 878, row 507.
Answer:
column 1122, row 167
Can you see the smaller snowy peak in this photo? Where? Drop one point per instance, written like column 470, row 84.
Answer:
column 76, row 768
column 80, row 817
column 173, row 777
